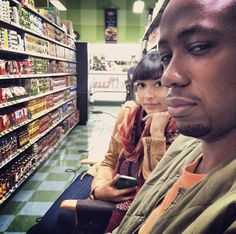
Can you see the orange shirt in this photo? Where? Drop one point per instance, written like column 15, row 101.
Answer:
column 186, row 180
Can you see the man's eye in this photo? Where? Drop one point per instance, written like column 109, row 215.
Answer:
column 199, row 48
column 158, row 83
column 165, row 59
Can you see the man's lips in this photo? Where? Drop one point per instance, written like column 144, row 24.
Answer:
column 180, row 106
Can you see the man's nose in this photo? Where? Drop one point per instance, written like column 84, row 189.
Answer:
column 173, row 74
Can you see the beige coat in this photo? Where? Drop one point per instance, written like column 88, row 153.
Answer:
column 154, row 148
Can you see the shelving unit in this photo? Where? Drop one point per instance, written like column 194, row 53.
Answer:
column 151, row 35
column 38, row 92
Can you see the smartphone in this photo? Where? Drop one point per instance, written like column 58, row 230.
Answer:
column 126, row 182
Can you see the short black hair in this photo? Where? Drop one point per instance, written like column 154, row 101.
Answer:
column 228, row 17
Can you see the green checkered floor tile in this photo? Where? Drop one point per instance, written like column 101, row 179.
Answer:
column 12, row 208
column 31, row 185
column 21, row 223
column 45, row 196
column 36, row 196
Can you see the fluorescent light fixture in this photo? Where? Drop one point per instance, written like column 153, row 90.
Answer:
column 58, row 5
column 138, row 6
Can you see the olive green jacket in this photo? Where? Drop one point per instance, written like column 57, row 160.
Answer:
column 207, row 208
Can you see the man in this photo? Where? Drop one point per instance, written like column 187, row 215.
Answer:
column 128, row 86
column 195, row 191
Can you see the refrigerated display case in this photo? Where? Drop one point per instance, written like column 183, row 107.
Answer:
column 108, row 65
column 107, row 86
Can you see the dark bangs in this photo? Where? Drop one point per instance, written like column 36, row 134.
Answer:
column 149, row 68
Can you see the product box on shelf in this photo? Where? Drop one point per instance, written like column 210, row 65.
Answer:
column 23, row 136
column 52, row 68
column 36, row 107
column 32, row 86
column 11, row 67
column 55, row 115
column 69, row 26
column 10, row 39
column 37, row 45
column 38, row 86
column 14, row 15
column 5, row 122
column 39, row 66
column 5, row 10
column 12, row 93
column 60, row 113
column 20, row 116
column 8, row 146
column 34, row 130
column 4, row 38
column 59, row 97
column 59, row 82
column 71, row 80
column 44, row 123
column 17, row 67
column 2, row 67
column 11, row 176
column 49, row 101
column 13, row 118
column 36, row 150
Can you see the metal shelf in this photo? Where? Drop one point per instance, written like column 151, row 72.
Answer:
column 3, row 105
column 34, row 118
column 156, row 21
column 35, row 33
column 31, row 76
column 11, row 51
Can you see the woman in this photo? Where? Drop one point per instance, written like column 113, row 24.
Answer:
column 142, row 134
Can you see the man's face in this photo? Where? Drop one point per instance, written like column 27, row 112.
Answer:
column 198, row 51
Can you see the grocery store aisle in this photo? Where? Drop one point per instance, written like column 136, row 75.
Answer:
column 37, row 195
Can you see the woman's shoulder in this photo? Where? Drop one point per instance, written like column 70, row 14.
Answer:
column 129, row 104
column 126, row 108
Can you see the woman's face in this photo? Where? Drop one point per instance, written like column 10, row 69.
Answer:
column 151, row 95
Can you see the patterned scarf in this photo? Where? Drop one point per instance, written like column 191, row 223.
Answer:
column 131, row 132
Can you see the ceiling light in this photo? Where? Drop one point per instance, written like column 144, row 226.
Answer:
column 138, row 6
column 58, row 5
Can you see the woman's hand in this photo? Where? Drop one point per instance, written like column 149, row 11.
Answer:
column 109, row 192
column 158, row 122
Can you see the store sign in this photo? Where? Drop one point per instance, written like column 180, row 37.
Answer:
column 110, row 25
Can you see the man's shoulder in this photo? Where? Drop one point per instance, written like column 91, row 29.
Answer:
column 183, row 143
column 182, row 151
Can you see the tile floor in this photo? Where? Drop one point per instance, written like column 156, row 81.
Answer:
column 36, row 196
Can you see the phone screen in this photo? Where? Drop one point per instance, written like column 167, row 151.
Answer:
column 126, row 182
